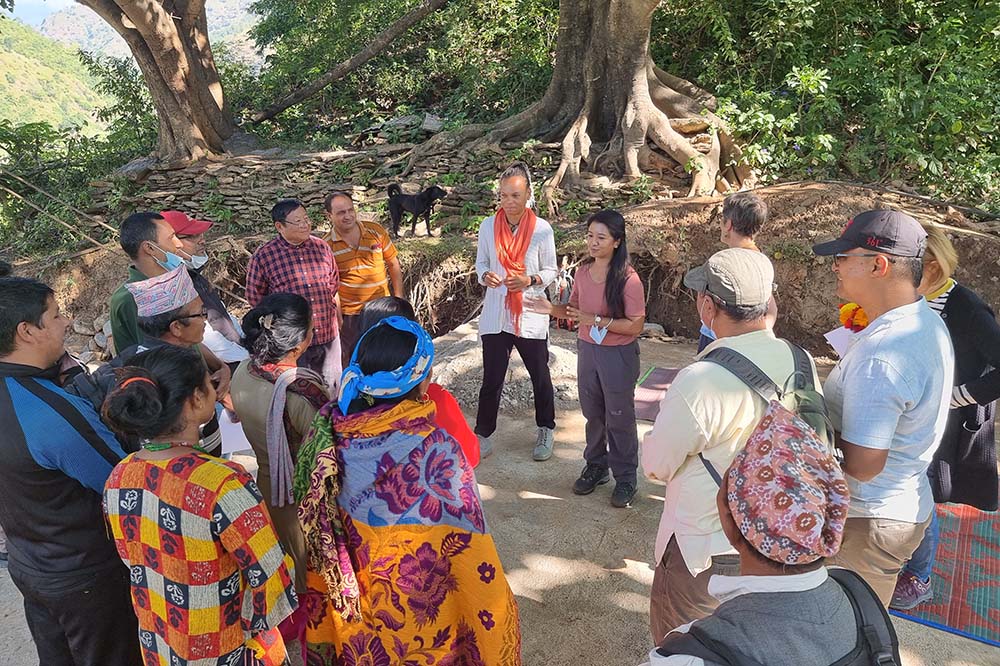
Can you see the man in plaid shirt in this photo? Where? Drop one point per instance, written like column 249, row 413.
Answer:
column 298, row 263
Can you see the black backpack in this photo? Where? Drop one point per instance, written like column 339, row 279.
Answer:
column 877, row 644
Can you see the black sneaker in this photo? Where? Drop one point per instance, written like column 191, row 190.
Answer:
column 623, row 494
column 591, row 477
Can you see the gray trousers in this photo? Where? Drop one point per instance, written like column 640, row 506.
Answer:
column 606, row 376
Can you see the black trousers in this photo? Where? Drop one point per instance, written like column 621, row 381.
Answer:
column 81, row 620
column 496, row 356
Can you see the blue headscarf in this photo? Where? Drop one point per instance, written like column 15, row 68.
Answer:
column 388, row 383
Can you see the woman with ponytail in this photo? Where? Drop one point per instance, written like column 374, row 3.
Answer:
column 609, row 303
column 210, row 582
column 276, row 401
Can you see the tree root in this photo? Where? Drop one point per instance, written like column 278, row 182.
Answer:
column 646, row 119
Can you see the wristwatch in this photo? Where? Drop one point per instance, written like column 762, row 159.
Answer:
column 532, row 279
column 597, row 320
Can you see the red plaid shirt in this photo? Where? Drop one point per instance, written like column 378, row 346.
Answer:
column 307, row 270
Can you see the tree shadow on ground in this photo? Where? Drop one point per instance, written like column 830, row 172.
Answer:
column 578, row 566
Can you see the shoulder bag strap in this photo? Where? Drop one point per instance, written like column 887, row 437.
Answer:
column 873, row 621
column 747, row 372
column 803, row 368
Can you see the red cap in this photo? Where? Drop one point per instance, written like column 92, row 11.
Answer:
column 185, row 225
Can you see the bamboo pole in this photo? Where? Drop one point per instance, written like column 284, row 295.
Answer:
column 59, row 201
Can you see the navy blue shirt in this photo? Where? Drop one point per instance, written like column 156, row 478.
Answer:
column 55, row 457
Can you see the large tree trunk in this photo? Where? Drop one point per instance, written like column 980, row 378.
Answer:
column 611, row 106
column 169, row 41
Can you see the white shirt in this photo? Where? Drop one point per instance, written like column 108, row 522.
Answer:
column 707, row 410
column 892, row 390
column 725, row 588
column 227, row 350
column 540, row 260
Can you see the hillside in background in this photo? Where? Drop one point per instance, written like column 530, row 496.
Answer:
column 42, row 80
column 77, row 26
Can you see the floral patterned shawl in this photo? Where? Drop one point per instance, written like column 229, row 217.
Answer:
column 430, row 584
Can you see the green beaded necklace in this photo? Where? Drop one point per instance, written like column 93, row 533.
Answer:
column 163, row 446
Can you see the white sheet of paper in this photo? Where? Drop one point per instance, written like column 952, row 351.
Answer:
column 839, row 338
column 233, row 437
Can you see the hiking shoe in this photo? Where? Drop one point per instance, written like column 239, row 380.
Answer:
column 910, row 592
column 485, row 446
column 623, row 494
column 591, row 477
column 543, row 445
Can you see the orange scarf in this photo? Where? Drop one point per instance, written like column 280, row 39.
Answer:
column 511, row 250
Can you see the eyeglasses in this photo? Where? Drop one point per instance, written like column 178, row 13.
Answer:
column 203, row 314
column 298, row 225
column 844, row 255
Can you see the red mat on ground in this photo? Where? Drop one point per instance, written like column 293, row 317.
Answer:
column 966, row 580
column 650, row 391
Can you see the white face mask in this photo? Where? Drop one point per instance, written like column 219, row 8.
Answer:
column 196, row 261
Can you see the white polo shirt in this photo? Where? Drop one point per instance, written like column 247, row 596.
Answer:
column 892, row 390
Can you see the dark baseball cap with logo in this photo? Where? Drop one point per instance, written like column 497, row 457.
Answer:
column 885, row 231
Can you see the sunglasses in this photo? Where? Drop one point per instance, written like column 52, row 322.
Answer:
column 838, row 257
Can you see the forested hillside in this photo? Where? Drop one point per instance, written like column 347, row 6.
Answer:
column 43, row 81
column 78, row 26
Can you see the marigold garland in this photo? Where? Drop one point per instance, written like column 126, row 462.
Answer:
column 853, row 317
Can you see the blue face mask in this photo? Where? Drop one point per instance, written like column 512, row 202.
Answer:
column 171, row 260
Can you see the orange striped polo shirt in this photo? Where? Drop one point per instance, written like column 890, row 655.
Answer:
column 364, row 274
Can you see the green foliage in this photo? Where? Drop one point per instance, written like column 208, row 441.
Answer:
column 214, row 208
column 640, row 190
column 42, row 81
column 473, row 61
column 575, row 209
column 63, row 160
column 904, row 91
column 130, row 118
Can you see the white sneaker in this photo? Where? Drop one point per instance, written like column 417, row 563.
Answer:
column 544, row 444
column 485, row 446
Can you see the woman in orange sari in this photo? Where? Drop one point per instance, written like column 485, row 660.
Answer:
column 402, row 567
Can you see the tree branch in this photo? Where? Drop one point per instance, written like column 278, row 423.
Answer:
column 376, row 46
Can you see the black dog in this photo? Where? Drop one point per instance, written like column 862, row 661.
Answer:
column 421, row 204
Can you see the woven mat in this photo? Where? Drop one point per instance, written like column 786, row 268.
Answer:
column 966, row 579
column 650, row 391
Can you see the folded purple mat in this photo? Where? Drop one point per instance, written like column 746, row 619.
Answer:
column 650, row 391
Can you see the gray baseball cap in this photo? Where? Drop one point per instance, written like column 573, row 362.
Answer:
column 737, row 277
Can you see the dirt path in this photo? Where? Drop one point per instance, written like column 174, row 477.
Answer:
column 579, row 567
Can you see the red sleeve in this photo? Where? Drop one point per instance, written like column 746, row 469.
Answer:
column 450, row 418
